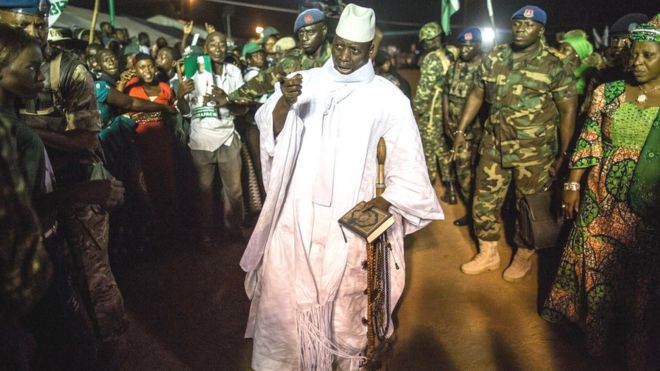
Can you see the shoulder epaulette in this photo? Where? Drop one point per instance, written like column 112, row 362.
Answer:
column 555, row 52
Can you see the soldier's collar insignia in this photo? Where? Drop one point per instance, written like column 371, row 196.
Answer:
column 529, row 13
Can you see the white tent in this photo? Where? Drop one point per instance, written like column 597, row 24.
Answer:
column 75, row 17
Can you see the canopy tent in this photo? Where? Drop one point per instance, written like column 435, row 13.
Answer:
column 77, row 18
column 164, row 21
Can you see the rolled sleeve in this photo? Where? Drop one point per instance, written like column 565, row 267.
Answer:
column 79, row 101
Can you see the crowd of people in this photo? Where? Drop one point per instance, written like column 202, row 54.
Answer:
column 511, row 125
column 112, row 148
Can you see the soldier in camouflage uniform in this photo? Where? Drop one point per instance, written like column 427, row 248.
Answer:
column 65, row 115
column 24, row 265
column 427, row 105
column 459, row 83
column 532, row 97
column 314, row 51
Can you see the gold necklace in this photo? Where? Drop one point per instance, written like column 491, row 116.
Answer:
column 642, row 97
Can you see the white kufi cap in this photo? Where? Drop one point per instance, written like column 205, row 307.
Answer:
column 357, row 24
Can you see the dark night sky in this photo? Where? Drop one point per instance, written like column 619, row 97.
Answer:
column 562, row 14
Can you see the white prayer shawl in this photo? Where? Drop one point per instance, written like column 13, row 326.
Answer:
column 305, row 281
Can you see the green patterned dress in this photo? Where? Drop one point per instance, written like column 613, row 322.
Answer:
column 610, row 264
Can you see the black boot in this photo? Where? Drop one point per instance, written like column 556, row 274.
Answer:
column 462, row 222
column 450, row 194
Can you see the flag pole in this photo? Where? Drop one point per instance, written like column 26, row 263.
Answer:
column 92, row 26
column 111, row 11
column 491, row 15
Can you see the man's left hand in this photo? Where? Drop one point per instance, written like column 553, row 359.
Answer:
column 378, row 202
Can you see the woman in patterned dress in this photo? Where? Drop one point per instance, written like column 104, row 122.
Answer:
column 611, row 263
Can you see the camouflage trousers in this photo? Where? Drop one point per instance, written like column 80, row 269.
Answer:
column 492, row 182
column 436, row 150
column 87, row 230
column 464, row 166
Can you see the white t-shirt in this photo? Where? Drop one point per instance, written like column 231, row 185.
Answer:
column 212, row 127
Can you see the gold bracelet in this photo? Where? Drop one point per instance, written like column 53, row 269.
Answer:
column 572, row 186
column 459, row 132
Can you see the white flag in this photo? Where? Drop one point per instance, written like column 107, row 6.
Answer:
column 56, row 9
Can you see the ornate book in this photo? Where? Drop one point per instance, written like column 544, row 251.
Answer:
column 369, row 224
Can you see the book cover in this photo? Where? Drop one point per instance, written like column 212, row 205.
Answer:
column 369, row 224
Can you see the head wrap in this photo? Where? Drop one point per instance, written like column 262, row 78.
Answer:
column 429, row 31
column 251, row 48
column 357, row 24
column 32, row 7
column 308, row 18
column 469, row 35
column 648, row 31
column 532, row 12
column 627, row 23
column 583, row 49
column 284, row 44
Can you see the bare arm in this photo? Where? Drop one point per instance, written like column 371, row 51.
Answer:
column 185, row 88
column 128, row 103
column 567, row 111
column 571, row 199
column 187, row 30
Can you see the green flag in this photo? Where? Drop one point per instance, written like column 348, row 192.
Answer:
column 449, row 7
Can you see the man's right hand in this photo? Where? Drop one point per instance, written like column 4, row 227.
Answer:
column 291, row 88
column 185, row 88
column 188, row 28
column 459, row 146
column 108, row 193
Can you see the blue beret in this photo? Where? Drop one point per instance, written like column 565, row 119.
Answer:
column 469, row 35
column 308, row 17
column 532, row 12
column 35, row 7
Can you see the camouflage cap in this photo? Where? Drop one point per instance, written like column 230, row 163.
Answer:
column 429, row 31
column 251, row 48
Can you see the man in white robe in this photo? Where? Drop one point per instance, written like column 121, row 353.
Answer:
column 319, row 133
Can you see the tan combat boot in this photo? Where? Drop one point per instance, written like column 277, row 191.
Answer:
column 488, row 259
column 521, row 264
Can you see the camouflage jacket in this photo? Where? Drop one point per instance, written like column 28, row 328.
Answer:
column 428, row 96
column 24, row 265
column 65, row 103
column 458, row 84
column 460, row 79
column 264, row 82
column 523, row 118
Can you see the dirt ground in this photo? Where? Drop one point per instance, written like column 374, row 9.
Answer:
column 188, row 311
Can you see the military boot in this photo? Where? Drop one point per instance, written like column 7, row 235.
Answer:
column 520, row 265
column 450, row 193
column 488, row 259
